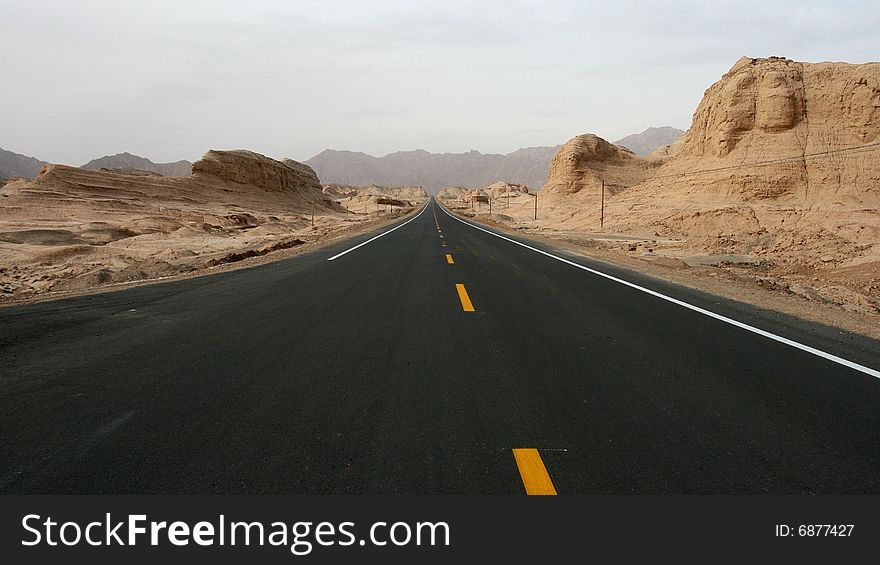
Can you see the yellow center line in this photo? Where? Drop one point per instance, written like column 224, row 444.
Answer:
column 534, row 474
column 449, row 259
column 466, row 304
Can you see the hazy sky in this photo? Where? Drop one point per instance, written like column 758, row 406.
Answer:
column 171, row 79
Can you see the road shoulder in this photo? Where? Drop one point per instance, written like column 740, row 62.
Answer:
column 711, row 280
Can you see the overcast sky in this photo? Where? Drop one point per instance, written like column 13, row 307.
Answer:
column 171, row 79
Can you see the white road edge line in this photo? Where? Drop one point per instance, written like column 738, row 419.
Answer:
column 817, row 352
column 338, row 255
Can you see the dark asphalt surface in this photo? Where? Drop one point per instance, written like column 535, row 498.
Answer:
column 364, row 375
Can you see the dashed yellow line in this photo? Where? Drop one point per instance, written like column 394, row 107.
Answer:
column 466, row 303
column 534, row 474
column 449, row 259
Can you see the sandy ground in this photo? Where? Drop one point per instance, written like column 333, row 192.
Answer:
column 71, row 230
column 802, row 291
column 235, row 251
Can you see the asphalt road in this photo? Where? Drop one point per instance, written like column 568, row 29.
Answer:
column 368, row 374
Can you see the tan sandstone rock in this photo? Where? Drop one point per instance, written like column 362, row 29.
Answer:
column 585, row 161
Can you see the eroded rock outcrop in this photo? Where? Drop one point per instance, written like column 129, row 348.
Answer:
column 73, row 228
column 372, row 199
column 501, row 189
column 782, row 162
column 247, row 167
column 586, row 160
column 777, row 128
column 494, row 191
column 781, row 166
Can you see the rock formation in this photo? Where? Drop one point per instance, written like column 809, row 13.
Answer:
column 451, row 193
column 249, row 168
column 501, row 189
column 71, row 227
column 778, row 151
column 782, row 129
column 781, row 164
column 774, row 132
column 495, row 191
column 360, row 199
column 585, row 161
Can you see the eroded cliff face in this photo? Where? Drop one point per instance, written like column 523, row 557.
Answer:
column 501, row 189
column 750, row 98
column 247, row 167
column 778, row 128
column 781, row 165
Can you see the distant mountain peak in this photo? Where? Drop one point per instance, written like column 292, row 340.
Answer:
column 17, row 165
column 646, row 142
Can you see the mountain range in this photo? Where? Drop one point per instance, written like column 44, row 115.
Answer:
column 645, row 143
column 129, row 161
column 16, row 165
column 432, row 171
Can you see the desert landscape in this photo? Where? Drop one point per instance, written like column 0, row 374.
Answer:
column 75, row 229
column 398, row 250
column 774, row 190
column 775, row 187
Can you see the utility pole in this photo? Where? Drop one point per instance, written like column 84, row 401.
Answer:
column 490, row 205
column 508, row 199
column 536, row 205
column 602, row 213
column 313, row 213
